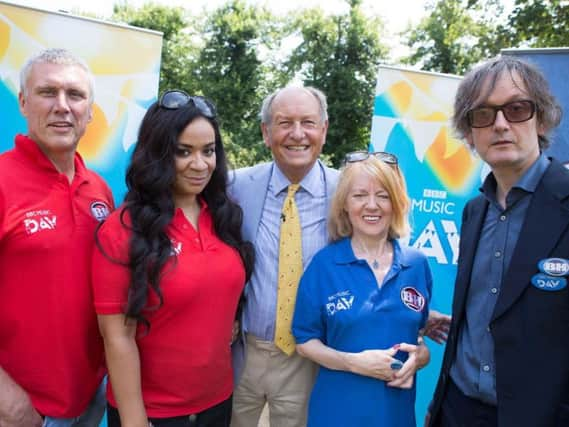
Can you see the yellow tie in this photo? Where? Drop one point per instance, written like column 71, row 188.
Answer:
column 290, row 270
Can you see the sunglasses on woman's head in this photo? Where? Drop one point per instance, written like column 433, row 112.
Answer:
column 174, row 99
column 360, row 156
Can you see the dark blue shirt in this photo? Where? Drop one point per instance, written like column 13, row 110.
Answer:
column 474, row 369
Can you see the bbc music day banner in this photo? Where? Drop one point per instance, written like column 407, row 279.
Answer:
column 126, row 65
column 411, row 120
column 125, row 62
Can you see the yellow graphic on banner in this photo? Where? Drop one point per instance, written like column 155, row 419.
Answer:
column 413, row 109
column 125, row 62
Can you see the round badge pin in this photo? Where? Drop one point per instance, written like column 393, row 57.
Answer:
column 412, row 298
column 100, row 210
column 554, row 266
column 549, row 283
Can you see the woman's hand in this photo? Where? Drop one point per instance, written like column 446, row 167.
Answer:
column 405, row 377
column 374, row 363
column 380, row 364
column 371, row 363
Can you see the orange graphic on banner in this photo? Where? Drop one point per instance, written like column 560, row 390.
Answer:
column 450, row 160
column 97, row 134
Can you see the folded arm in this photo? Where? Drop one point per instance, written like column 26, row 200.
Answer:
column 370, row 363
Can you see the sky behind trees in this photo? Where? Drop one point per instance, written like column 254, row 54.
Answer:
column 396, row 19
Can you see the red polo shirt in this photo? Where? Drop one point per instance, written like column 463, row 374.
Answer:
column 185, row 357
column 49, row 341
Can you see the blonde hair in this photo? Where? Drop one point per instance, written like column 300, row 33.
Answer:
column 390, row 178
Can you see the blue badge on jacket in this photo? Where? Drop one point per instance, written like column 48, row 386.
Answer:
column 554, row 266
column 548, row 283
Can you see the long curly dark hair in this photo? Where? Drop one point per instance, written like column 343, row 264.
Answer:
column 149, row 202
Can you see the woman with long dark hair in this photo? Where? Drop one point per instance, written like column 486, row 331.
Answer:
column 168, row 274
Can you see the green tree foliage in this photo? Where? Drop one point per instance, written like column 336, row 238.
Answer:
column 239, row 53
column 455, row 35
column 340, row 55
column 178, row 51
column 459, row 33
column 537, row 23
column 231, row 73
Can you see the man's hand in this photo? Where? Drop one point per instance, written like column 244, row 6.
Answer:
column 437, row 327
column 235, row 331
column 16, row 408
column 26, row 415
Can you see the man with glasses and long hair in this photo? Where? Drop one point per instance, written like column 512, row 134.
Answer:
column 506, row 362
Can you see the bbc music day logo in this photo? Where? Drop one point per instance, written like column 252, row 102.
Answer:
column 439, row 237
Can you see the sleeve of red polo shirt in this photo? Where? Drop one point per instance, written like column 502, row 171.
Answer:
column 110, row 273
column 2, row 210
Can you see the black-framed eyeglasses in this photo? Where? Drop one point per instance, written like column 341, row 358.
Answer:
column 514, row 112
column 359, row 156
column 174, row 99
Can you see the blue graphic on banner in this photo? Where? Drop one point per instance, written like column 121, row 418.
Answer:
column 411, row 121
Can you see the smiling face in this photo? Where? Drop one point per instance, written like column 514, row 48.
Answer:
column 296, row 132
column 57, row 105
column 369, row 207
column 506, row 146
column 195, row 161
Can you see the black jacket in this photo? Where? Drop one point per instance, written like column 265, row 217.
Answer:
column 530, row 326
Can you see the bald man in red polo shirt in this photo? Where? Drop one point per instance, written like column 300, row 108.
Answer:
column 51, row 354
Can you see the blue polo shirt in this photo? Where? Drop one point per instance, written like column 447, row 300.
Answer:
column 340, row 303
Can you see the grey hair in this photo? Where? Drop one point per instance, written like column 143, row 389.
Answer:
column 472, row 93
column 55, row 56
column 266, row 108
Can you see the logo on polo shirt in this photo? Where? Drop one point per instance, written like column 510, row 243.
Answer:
column 39, row 220
column 100, row 210
column 340, row 301
column 176, row 248
column 412, row 298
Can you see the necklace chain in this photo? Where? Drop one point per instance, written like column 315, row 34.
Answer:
column 375, row 262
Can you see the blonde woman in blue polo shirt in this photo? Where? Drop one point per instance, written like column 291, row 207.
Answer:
column 362, row 302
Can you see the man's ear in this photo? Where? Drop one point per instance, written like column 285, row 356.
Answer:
column 22, row 103
column 325, row 131
column 541, row 130
column 469, row 140
column 265, row 132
